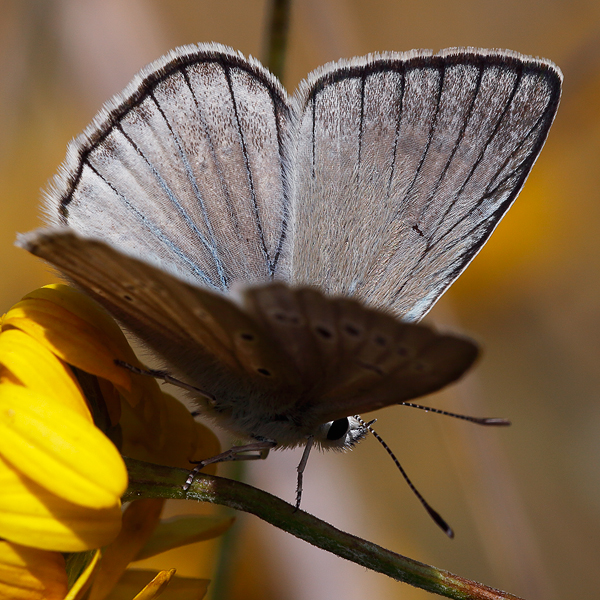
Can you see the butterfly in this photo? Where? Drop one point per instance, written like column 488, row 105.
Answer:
column 277, row 251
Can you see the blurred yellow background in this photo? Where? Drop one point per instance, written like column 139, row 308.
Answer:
column 524, row 501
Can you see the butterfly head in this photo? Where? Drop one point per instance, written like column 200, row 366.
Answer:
column 341, row 434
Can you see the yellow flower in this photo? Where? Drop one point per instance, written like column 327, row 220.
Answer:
column 67, row 413
column 31, row 573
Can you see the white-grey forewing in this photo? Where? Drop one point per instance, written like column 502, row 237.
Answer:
column 185, row 168
column 404, row 165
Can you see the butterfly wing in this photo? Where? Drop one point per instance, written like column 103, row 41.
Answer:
column 405, row 164
column 184, row 168
column 210, row 341
column 399, row 167
column 280, row 351
column 353, row 358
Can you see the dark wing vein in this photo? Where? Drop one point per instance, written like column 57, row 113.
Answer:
column 363, row 81
column 434, row 118
column 212, row 245
column 285, row 184
column 494, row 185
column 249, row 176
column 481, row 155
column 397, row 136
column 426, row 253
column 459, row 140
column 154, row 229
column 165, row 187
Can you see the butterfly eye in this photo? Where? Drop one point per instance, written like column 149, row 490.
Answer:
column 338, row 429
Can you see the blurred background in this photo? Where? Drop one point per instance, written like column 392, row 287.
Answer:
column 524, row 501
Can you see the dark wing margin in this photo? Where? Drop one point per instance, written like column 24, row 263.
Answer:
column 405, row 164
column 185, row 168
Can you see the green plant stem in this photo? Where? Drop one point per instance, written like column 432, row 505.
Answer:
column 277, row 36
column 154, row 481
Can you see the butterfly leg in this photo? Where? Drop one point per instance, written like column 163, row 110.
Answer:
column 164, row 376
column 300, row 469
column 235, row 453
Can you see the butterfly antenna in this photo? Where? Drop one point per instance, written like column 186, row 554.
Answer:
column 479, row 420
column 432, row 513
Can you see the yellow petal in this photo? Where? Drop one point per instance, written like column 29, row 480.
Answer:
column 40, row 370
column 179, row 588
column 183, row 530
column 84, row 581
column 139, row 520
column 156, row 586
column 82, row 333
column 32, row 516
column 91, row 312
column 83, row 307
column 31, row 574
column 69, row 337
column 59, row 449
